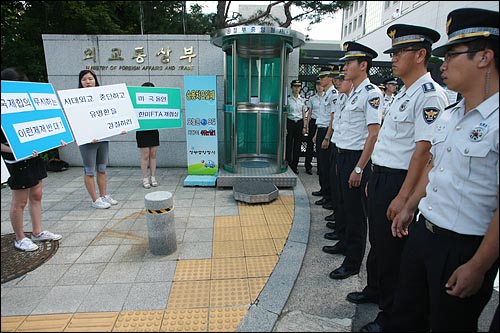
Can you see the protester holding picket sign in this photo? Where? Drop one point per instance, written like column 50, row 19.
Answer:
column 95, row 155
column 25, row 181
column 148, row 142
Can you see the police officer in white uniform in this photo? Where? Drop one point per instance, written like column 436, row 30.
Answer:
column 295, row 128
column 399, row 157
column 359, row 128
column 313, row 112
column 322, row 137
column 450, row 259
column 390, row 86
column 336, row 220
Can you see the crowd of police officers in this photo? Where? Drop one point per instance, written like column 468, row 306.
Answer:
column 422, row 183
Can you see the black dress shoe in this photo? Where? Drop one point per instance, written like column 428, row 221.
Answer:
column 358, row 297
column 309, row 172
column 317, row 193
column 343, row 273
column 330, row 218
column 328, row 205
column 335, row 249
column 331, row 236
column 331, row 225
column 320, row 202
column 295, row 171
column 372, row 327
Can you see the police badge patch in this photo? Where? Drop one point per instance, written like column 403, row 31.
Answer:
column 374, row 102
column 477, row 133
column 430, row 114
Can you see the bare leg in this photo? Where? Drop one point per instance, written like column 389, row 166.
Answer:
column 19, row 201
column 152, row 160
column 144, row 161
column 35, row 207
column 90, row 185
column 101, row 183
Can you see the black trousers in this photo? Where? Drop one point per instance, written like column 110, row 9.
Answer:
column 353, row 208
column 340, row 223
column 421, row 302
column 323, row 160
column 382, row 264
column 294, row 139
column 310, row 145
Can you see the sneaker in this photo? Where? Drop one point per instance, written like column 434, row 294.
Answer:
column 100, row 203
column 25, row 244
column 154, row 183
column 44, row 236
column 107, row 198
column 145, row 183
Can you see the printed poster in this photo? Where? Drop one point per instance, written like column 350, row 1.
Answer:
column 32, row 118
column 98, row 112
column 157, row 107
column 201, row 124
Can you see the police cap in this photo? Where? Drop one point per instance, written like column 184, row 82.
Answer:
column 467, row 24
column 391, row 80
column 296, row 83
column 324, row 71
column 404, row 35
column 355, row 50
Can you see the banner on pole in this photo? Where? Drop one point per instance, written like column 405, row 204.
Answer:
column 200, row 94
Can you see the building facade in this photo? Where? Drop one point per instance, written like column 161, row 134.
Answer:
column 366, row 21
column 163, row 60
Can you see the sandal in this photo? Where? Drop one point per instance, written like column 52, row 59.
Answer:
column 145, row 182
column 154, row 183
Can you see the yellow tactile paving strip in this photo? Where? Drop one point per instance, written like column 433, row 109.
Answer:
column 207, row 295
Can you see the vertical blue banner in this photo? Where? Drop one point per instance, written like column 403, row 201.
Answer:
column 200, row 95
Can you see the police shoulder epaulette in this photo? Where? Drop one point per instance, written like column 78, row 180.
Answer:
column 369, row 87
column 451, row 105
column 428, row 86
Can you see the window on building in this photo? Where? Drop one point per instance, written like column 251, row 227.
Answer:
column 350, row 27
column 345, row 30
column 355, row 24
column 387, row 4
column 355, row 6
column 360, row 20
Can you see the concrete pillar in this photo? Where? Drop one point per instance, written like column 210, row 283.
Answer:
column 160, row 221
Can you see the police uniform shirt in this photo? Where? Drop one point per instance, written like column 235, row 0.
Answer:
column 461, row 193
column 361, row 110
column 339, row 106
column 296, row 105
column 410, row 119
column 326, row 107
column 313, row 104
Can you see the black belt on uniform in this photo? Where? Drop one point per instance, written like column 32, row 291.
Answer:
column 382, row 169
column 345, row 151
column 295, row 121
column 441, row 231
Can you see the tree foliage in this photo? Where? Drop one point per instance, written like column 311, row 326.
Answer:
column 24, row 22
column 314, row 11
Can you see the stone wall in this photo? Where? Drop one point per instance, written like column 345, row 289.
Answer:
column 163, row 60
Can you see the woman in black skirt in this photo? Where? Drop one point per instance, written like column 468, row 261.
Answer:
column 148, row 142
column 25, row 182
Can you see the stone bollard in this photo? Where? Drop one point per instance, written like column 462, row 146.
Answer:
column 161, row 224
